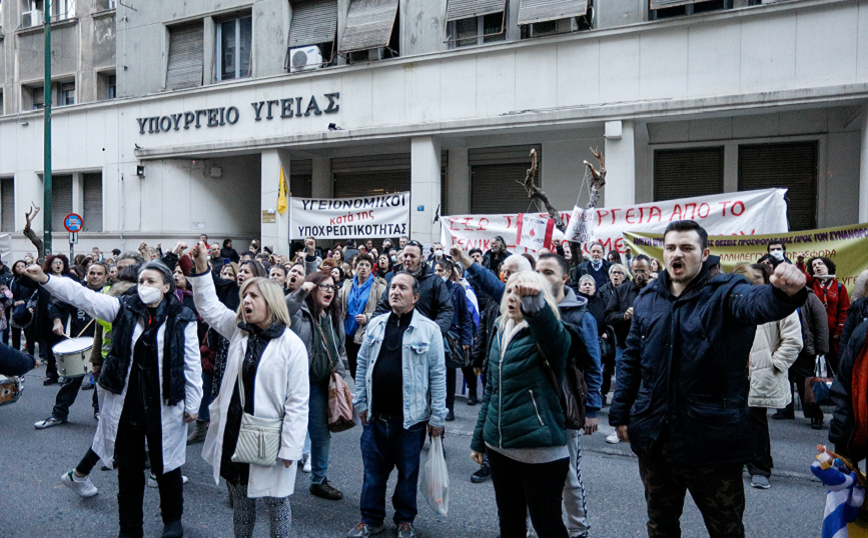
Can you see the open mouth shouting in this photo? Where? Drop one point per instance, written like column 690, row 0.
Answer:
column 677, row 267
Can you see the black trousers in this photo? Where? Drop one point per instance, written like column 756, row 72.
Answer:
column 522, row 487
column 718, row 492
column 810, row 410
column 470, row 377
column 87, row 463
column 130, row 457
column 352, row 349
column 66, row 397
column 762, row 462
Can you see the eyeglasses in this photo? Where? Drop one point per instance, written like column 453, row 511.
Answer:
column 328, row 287
column 617, row 273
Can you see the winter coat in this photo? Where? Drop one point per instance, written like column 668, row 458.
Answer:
column 377, row 289
column 842, row 424
column 856, row 314
column 859, row 286
column 835, row 299
column 485, row 334
column 520, row 408
column 685, row 366
column 435, row 301
column 102, row 333
column 597, row 308
column 304, row 324
column 491, row 260
column 775, row 348
column 585, row 348
column 14, row 362
column 815, row 337
column 618, row 304
column 462, row 324
column 282, row 390
column 601, row 277
column 230, row 253
column 114, row 377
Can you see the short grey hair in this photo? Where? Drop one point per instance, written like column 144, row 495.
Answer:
column 163, row 269
column 521, row 262
column 130, row 255
column 585, row 278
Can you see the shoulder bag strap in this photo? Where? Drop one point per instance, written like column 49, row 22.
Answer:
column 240, row 381
column 548, row 372
column 325, row 344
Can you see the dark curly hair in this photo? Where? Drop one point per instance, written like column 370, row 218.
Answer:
column 830, row 265
column 46, row 267
column 317, row 278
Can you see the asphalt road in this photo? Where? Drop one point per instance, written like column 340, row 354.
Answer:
column 33, row 503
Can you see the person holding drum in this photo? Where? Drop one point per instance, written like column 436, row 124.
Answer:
column 73, row 353
column 151, row 392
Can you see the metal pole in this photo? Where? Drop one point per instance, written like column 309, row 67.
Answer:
column 47, row 95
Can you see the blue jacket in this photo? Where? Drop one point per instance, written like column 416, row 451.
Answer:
column 576, row 318
column 424, row 370
column 462, row 323
column 686, row 364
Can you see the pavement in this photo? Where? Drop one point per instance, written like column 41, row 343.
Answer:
column 33, row 503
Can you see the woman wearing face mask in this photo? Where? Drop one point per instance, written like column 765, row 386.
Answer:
column 316, row 320
column 820, row 273
column 153, row 385
column 271, row 363
column 460, row 332
column 358, row 299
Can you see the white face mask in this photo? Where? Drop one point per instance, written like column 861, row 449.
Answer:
column 149, row 295
column 778, row 255
column 438, row 252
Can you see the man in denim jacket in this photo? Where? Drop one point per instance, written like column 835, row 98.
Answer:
column 401, row 368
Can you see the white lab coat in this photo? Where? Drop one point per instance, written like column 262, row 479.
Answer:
column 174, row 430
column 282, row 390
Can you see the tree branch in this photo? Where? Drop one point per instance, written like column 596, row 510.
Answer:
column 30, row 234
column 535, row 193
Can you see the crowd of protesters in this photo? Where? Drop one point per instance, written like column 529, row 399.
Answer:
column 197, row 344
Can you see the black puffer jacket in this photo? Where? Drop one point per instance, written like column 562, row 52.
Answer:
column 842, row 425
column 685, row 366
column 856, row 314
column 618, row 303
column 435, row 301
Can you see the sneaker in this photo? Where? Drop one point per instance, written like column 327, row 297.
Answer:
column 471, row 401
column 87, row 386
column 783, row 416
column 760, row 482
column 82, row 486
column 96, row 414
column 480, row 476
column 450, row 416
column 816, row 424
column 612, row 438
column 363, row 530
column 49, row 381
column 306, row 468
column 326, row 491
column 152, row 480
column 48, row 423
column 406, row 530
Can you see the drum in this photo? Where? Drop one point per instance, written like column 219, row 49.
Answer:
column 72, row 356
column 10, row 390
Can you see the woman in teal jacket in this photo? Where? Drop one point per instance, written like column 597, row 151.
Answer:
column 521, row 422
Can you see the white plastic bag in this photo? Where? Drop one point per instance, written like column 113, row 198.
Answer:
column 434, row 481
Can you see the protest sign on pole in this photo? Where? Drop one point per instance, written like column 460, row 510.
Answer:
column 733, row 213
column 534, row 233
column 386, row 215
column 581, row 226
column 844, row 245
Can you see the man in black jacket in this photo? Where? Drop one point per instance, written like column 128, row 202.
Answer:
column 597, row 267
column 435, row 301
column 681, row 397
column 496, row 255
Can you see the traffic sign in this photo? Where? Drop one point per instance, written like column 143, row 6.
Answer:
column 73, row 223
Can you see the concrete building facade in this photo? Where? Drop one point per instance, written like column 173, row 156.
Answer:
column 442, row 98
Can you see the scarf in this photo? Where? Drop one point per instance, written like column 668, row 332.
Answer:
column 356, row 303
column 859, row 391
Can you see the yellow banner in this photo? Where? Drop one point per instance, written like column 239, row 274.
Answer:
column 281, row 193
column 847, row 246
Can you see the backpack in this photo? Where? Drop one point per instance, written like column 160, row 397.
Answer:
column 572, row 391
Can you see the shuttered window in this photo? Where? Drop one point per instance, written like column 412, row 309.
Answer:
column 662, row 4
column 532, row 11
column 92, row 202
column 687, row 172
column 465, row 9
column 444, row 182
column 313, row 22
column 301, row 179
column 369, row 25
column 186, row 56
column 61, row 201
column 7, row 204
column 496, row 177
column 371, row 175
column 788, row 165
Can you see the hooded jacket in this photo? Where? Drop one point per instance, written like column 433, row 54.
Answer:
column 685, row 366
column 775, row 348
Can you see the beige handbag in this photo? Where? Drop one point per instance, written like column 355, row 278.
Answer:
column 259, row 437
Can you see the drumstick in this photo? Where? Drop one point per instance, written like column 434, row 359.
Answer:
column 85, row 328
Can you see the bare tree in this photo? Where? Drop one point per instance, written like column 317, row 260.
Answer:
column 30, row 234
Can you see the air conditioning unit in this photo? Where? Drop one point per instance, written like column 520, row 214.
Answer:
column 33, row 18
column 304, row 59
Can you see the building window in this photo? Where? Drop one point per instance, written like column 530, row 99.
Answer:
column 496, row 179
column 477, row 30
column 61, row 201
column 37, row 97
column 7, row 204
column 106, row 86
column 186, row 56
column 666, row 9
column 67, row 93
column 62, row 9
column 234, row 38
column 687, row 172
column 372, row 31
column 92, row 202
column 314, row 24
column 538, row 18
column 112, row 89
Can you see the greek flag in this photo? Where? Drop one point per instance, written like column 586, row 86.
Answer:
column 844, row 499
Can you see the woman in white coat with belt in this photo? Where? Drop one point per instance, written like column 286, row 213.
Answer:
column 273, row 365
column 776, row 347
column 152, row 381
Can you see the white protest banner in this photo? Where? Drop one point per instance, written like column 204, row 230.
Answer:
column 581, row 227
column 736, row 213
column 385, row 215
column 534, row 233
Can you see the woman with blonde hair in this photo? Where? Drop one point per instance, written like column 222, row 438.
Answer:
column 522, row 429
column 266, row 377
column 229, row 271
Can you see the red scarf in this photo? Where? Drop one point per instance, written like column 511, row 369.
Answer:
column 859, row 391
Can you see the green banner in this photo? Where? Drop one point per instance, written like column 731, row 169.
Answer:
column 847, row 246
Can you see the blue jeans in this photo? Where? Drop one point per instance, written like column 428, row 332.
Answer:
column 207, row 380
column 386, row 445
column 318, row 429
